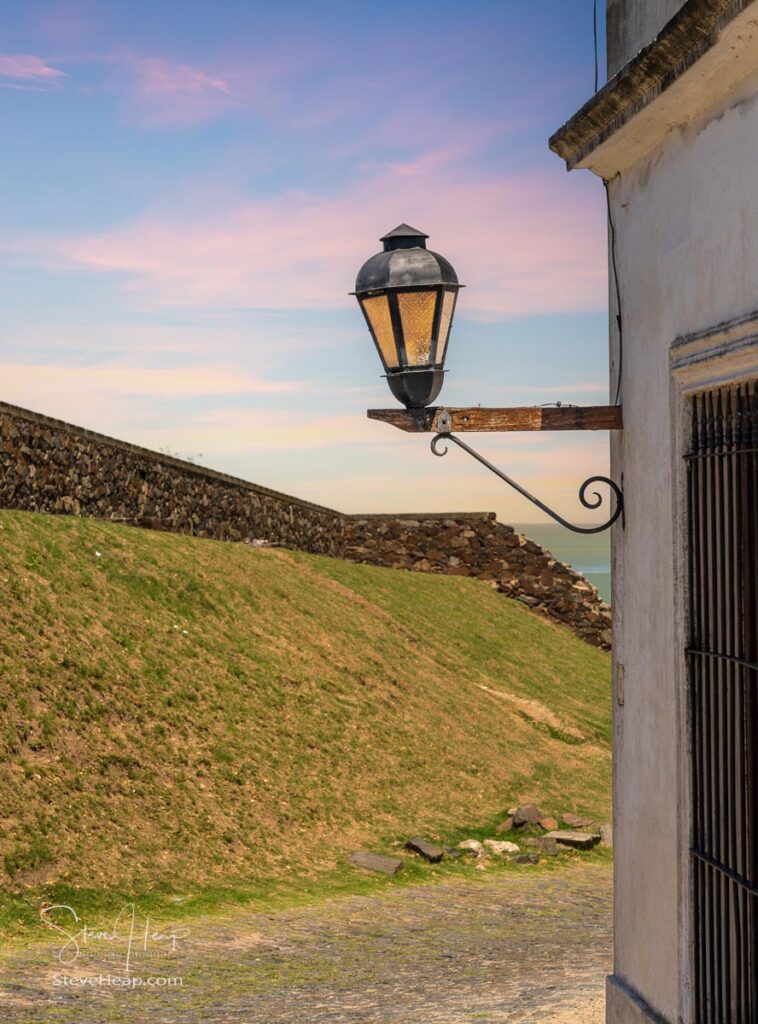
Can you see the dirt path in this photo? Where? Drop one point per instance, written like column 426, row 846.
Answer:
column 527, row 948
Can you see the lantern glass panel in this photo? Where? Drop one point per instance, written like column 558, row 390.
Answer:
column 417, row 318
column 448, row 305
column 377, row 309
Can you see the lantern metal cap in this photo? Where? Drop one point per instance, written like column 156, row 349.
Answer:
column 404, row 237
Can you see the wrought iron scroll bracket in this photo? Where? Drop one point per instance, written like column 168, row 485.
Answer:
column 593, row 502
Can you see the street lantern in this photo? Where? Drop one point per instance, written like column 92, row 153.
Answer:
column 408, row 294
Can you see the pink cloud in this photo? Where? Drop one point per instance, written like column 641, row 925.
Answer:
column 17, row 87
column 166, row 92
column 28, row 67
column 523, row 243
column 157, row 77
column 157, row 91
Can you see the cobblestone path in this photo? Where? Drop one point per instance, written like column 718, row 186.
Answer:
column 527, row 948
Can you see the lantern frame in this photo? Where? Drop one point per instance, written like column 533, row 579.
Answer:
column 407, row 267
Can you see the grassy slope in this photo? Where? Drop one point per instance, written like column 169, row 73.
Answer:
column 180, row 711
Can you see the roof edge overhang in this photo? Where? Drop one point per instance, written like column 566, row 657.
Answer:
column 691, row 67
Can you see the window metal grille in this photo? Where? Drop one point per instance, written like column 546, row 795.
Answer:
column 722, row 473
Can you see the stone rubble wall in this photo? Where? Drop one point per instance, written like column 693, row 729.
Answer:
column 47, row 465
column 50, row 466
column 476, row 544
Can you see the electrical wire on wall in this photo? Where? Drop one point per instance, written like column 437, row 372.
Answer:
column 617, row 289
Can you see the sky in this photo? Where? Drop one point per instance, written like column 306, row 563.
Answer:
column 187, row 191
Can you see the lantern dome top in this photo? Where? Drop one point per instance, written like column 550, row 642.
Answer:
column 404, row 263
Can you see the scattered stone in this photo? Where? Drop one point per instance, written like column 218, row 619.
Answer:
column 529, row 814
column 480, row 867
column 545, row 845
column 452, row 853
column 505, row 826
column 606, row 836
column 577, row 840
column 375, row 862
column 500, row 848
column 575, row 821
column 425, row 849
column 548, row 846
column 549, row 824
column 472, row 846
column 526, row 858
column 511, row 811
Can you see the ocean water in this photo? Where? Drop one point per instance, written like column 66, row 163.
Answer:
column 589, row 554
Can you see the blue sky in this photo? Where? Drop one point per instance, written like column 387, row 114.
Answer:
column 188, row 190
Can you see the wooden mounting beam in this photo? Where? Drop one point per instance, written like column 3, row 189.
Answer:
column 528, row 417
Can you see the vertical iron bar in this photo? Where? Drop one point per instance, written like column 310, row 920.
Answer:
column 715, row 709
column 741, row 441
column 699, row 902
column 707, row 923
column 725, row 793
column 733, row 779
column 709, row 933
column 723, row 697
column 750, row 627
column 733, row 512
column 740, row 676
column 696, row 711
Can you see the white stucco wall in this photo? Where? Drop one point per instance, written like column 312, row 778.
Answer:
column 632, row 24
column 687, row 243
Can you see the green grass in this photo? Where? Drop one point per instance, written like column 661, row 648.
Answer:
column 226, row 723
column 21, row 922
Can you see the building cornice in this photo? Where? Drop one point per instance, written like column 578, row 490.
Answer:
column 689, row 37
